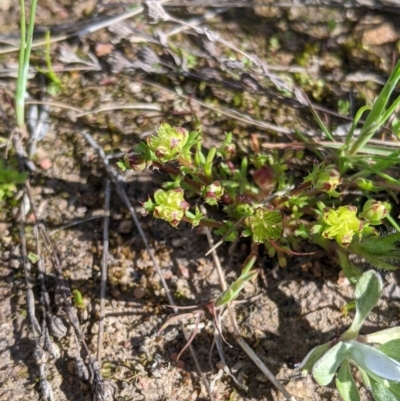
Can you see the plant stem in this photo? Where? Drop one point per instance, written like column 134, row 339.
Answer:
column 173, row 171
column 393, row 222
column 23, row 64
column 205, row 223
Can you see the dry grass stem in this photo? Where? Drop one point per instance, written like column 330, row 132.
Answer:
column 107, row 196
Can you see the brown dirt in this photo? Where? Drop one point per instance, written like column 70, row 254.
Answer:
column 300, row 305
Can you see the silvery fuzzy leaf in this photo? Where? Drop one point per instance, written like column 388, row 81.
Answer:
column 367, row 292
column 325, row 368
column 375, row 361
column 383, row 336
column 312, row 357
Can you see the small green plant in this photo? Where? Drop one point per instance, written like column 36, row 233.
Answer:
column 283, row 209
column 240, row 181
column 9, row 178
column 78, row 299
column 239, row 184
column 251, row 188
column 379, row 365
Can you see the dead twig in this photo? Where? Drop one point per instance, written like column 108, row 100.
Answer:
column 107, row 197
column 244, row 118
column 90, row 28
column 110, row 107
column 39, row 353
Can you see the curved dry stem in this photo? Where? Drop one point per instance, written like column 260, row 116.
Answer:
column 104, row 269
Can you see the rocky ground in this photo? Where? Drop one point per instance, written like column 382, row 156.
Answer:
column 117, row 83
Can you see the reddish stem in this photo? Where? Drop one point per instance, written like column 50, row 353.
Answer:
column 204, row 223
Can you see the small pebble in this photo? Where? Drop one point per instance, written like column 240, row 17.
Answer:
column 138, row 293
column 103, row 49
column 183, row 271
column 125, row 227
column 45, row 163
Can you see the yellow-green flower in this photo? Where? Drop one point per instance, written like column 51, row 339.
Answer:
column 341, row 224
column 168, row 205
column 167, row 145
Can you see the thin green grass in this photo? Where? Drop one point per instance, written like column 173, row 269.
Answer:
column 378, row 114
column 368, row 160
column 24, row 57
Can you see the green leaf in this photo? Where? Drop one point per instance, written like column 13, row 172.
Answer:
column 122, row 165
column 351, row 271
column 234, row 289
column 382, row 393
column 325, row 368
column 209, row 163
column 8, row 180
column 313, row 356
column 345, row 383
column 346, row 308
column 378, row 114
column 364, row 377
column 265, row 224
column 382, row 252
column 225, row 229
column 374, row 361
column 395, row 389
column 195, row 217
column 366, row 294
column 383, row 336
column 149, row 205
column 391, row 348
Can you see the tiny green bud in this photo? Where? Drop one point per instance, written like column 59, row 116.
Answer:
column 325, row 178
column 328, row 180
column 33, row 258
column 366, row 185
column 228, row 148
column 212, row 193
column 137, row 161
column 78, row 299
column 168, row 143
column 374, row 210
